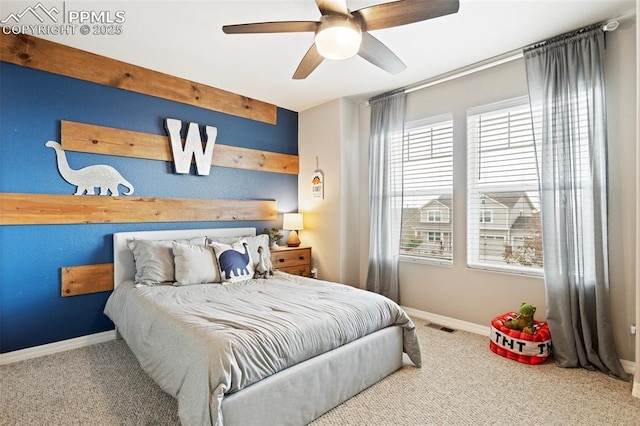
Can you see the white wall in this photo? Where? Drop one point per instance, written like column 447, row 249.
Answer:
column 329, row 132
column 363, row 215
column 620, row 74
column 636, row 379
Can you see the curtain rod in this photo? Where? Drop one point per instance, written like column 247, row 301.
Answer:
column 470, row 69
column 610, row 25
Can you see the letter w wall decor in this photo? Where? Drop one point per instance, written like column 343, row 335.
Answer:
column 192, row 147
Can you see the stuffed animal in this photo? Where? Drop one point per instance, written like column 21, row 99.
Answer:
column 524, row 320
column 264, row 267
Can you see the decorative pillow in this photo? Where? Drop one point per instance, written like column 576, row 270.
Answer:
column 234, row 261
column 195, row 264
column 252, row 242
column 154, row 259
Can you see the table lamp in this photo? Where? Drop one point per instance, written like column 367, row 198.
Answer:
column 292, row 222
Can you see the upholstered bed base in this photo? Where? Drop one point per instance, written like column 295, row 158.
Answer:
column 305, row 391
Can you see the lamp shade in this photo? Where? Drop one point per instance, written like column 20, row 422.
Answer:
column 292, row 221
column 338, row 37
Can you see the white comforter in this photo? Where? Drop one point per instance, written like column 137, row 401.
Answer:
column 201, row 342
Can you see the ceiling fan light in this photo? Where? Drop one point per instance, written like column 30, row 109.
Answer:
column 339, row 41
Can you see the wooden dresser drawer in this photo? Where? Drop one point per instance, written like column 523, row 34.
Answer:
column 302, row 270
column 293, row 260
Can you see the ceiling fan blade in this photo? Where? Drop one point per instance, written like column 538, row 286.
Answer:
column 403, row 12
column 333, row 7
column 309, row 63
column 271, row 27
column 374, row 51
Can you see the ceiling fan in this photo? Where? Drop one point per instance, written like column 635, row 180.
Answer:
column 341, row 33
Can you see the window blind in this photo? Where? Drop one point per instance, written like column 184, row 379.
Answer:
column 503, row 219
column 426, row 154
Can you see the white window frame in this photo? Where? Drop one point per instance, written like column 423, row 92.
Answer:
column 437, row 215
column 432, row 121
column 484, row 213
column 473, row 193
column 433, row 236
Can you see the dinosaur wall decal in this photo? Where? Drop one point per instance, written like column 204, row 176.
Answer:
column 88, row 178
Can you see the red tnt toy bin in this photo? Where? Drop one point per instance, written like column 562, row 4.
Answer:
column 513, row 344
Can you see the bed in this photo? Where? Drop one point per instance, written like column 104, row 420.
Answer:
column 277, row 351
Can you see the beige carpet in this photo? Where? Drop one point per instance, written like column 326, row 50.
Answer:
column 461, row 382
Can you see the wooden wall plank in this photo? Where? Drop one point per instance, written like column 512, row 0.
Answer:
column 86, row 279
column 33, row 209
column 94, row 139
column 59, row 59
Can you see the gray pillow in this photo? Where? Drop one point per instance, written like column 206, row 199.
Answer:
column 154, row 259
column 195, row 264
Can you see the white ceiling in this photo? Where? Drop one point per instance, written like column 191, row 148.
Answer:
column 184, row 38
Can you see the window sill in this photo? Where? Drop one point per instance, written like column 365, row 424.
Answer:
column 414, row 259
column 511, row 270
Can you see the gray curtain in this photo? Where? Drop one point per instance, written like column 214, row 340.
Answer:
column 567, row 93
column 385, row 194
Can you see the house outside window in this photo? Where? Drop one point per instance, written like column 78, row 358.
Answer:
column 426, row 156
column 503, row 219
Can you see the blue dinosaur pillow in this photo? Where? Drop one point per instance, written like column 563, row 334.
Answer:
column 234, row 261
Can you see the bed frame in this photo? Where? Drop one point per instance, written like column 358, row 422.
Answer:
column 301, row 393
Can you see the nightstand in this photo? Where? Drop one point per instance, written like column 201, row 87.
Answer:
column 293, row 260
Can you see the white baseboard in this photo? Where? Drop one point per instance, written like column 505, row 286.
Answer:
column 449, row 322
column 52, row 348
column 635, row 392
column 629, row 366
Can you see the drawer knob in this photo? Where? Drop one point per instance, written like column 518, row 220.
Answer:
column 301, row 257
column 281, row 260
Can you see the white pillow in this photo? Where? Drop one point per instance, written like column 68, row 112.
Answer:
column 154, row 259
column 234, row 261
column 195, row 264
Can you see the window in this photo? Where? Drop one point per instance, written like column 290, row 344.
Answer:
column 435, row 236
column 425, row 153
column 486, row 216
column 503, row 218
column 434, row 216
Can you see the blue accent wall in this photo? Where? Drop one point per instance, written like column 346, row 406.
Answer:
column 32, row 103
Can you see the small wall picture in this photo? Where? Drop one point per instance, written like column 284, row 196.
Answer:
column 317, row 185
